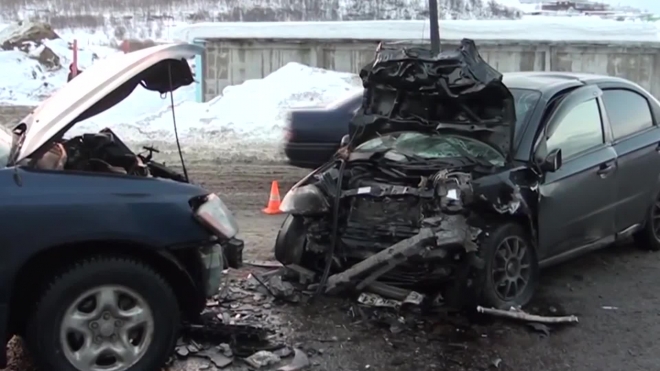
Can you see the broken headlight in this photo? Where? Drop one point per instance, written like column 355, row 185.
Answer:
column 216, row 216
column 305, row 200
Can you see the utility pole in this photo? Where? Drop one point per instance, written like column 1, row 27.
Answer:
column 435, row 27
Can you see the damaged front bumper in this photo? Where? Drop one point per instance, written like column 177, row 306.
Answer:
column 446, row 232
column 215, row 258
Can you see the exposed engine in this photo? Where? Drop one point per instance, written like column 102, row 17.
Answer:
column 408, row 201
column 382, row 205
column 102, row 152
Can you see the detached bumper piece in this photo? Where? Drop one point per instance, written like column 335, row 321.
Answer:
column 213, row 262
column 449, row 231
column 233, row 253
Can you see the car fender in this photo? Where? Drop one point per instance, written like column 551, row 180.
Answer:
column 50, row 209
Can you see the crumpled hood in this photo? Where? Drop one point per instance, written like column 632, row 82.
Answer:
column 410, row 89
column 106, row 83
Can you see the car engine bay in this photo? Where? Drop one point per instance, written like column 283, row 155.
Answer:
column 399, row 220
column 102, row 152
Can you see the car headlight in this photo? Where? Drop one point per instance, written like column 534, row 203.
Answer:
column 216, row 216
column 305, row 200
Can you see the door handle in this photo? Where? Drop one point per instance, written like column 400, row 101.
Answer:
column 605, row 169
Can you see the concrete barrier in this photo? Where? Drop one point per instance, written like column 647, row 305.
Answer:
column 230, row 62
column 235, row 53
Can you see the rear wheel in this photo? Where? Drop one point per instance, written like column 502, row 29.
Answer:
column 649, row 237
column 104, row 314
column 511, row 271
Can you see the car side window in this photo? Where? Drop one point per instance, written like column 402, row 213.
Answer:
column 628, row 112
column 579, row 130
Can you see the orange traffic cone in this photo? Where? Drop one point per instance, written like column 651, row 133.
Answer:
column 274, row 200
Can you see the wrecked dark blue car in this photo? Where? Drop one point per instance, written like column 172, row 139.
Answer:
column 460, row 183
column 105, row 253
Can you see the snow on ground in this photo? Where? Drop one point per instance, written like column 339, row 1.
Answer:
column 26, row 82
column 247, row 121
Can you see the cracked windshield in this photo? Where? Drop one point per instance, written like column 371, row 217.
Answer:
column 234, row 185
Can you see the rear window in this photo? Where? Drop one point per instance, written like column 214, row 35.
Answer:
column 627, row 111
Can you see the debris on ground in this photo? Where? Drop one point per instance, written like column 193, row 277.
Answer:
column 262, row 358
column 241, row 326
column 518, row 314
column 299, row 362
column 540, row 327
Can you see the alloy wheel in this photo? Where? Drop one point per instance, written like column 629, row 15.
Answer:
column 655, row 219
column 512, row 268
column 108, row 328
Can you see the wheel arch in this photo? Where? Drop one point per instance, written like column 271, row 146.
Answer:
column 37, row 271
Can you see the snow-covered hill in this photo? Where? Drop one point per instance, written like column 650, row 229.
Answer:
column 93, row 14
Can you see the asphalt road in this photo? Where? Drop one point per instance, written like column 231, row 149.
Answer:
column 612, row 291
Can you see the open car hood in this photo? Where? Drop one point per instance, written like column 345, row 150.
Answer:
column 100, row 87
column 411, row 89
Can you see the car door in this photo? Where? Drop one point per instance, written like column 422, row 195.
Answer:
column 576, row 204
column 636, row 140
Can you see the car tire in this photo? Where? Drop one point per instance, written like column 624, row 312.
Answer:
column 647, row 238
column 290, row 241
column 504, row 263
column 139, row 302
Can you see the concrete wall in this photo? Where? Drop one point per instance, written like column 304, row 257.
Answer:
column 232, row 61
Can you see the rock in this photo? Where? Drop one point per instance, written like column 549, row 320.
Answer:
column 220, row 361
column 283, row 352
column 17, row 34
column 281, row 289
column 262, row 358
column 182, row 351
column 28, row 37
column 46, row 57
column 299, row 362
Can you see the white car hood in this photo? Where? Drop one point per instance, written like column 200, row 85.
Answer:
column 101, row 86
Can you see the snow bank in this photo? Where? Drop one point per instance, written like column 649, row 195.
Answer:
column 245, row 123
column 529, row 28
column 26, row 82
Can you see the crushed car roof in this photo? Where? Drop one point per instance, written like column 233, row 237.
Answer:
column 103, row 85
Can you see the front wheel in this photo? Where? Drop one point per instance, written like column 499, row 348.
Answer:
column 649, row 237
column 290, row 241
column 511, row 271
column 104, row 314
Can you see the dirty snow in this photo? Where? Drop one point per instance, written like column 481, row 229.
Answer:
column 26, row 82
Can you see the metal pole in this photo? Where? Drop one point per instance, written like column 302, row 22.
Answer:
column 74, row 65
column 435, row 27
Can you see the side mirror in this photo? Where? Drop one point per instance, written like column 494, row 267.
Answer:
column 345, row 140
column 552, row 161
